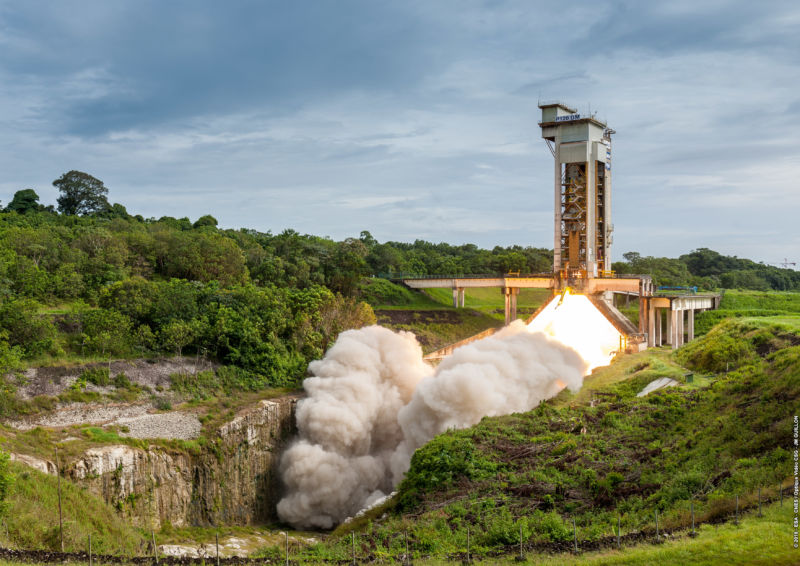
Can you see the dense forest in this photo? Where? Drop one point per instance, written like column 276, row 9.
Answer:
column 708, row 269
column 116, row 284
column 86, row 279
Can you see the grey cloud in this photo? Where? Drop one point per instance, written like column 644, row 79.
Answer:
column 669, row 27
column 269, row 114
column 189, row 58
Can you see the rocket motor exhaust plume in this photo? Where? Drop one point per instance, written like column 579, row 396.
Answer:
column 573, row 320
column 373, row 401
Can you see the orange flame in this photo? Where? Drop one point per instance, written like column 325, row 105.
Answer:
column 575, row 322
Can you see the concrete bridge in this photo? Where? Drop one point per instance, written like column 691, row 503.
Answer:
column 679, row 311
column 509, row 285
column 663, row 319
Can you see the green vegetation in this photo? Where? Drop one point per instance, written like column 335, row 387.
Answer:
column 755, row 540
column 708, row 269
column 6, row 482
column 621, row 455
column 383, row 294
column 92, row 283
column 741, row 304
column 626, row 375
column 490, row 301
column 32, row 517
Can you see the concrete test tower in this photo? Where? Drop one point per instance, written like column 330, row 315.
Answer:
column 581, row 148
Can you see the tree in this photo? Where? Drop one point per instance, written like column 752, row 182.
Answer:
column 105, row 331
column 33, row 334
column 24, row 201
column 206, row 220
column 81, row 194
column 176, row 335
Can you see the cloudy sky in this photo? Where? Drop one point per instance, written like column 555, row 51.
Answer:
column 412, row 119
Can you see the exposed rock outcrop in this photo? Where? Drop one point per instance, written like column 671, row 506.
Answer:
column 45, row 466
column 235, row 481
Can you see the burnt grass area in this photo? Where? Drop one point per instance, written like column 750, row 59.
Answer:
column 625, row 458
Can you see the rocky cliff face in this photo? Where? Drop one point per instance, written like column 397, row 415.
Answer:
column 236, row 483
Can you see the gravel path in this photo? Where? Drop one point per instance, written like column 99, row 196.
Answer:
column 80, row 413
column 177, row 426
column 140, row 422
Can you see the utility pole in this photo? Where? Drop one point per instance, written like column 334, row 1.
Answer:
column 60, row 517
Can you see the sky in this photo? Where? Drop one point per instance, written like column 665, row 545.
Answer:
column 412, row 119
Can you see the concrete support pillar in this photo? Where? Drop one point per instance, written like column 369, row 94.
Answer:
column 463, row 296
column 557, row 204
column 674, row 328
column 651, row 323
column 659, row 326
column 455, row 297
column 690, row 325
column 668, row 333
column 681, row 327
column 514, row 293
column 643, row 314
column 510, row 294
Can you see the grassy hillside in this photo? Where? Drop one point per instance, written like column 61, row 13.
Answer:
column 739, row 304
column 755, row 540
column 623, row 457
column 490, row 300
column 430, row 313
column 31, row 520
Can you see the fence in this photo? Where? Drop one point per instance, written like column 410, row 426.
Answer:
column 363, row 545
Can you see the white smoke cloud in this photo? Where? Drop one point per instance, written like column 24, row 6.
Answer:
column 373, row 401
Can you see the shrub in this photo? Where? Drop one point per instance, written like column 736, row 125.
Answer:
column 96, row 375
column 121, row 381
column 552, row 526
column 162, row 404
column 443, row 460
column 105, row 331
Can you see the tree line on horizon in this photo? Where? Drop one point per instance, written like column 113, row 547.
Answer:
column 179, row 246
column 265, row 304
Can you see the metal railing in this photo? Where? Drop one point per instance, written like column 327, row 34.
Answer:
column 403, row 275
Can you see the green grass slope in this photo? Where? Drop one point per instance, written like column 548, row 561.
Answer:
column 764, row 541
column 430, row 313
column 31, row 520
column 624, row 457
column 743, row 304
